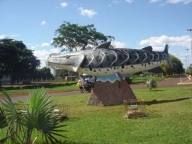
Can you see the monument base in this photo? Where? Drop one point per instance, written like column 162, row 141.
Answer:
column 107, row 93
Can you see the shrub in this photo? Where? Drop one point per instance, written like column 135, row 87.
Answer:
column 37, row 115
column 151, row 83
column 27, row 87
column 16, row 87
column 9, row 88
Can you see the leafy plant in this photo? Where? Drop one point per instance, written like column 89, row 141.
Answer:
column 151, row 83
column 34, row 117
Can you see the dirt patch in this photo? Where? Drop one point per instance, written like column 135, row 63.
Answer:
column 15, row 95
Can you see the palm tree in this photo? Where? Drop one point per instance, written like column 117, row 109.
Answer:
column 34, row 117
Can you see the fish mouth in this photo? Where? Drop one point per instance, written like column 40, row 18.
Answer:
column 69, row 62
column 58, row 61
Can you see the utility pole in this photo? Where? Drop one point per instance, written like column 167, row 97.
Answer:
column 190, row 39
column 187, row 60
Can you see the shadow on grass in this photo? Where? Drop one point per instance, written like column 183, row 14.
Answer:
column 165, row 101
column 156, row 90
column 70, row 142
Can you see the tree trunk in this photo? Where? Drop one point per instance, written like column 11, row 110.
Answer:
column 0, row 84
column 12, row 80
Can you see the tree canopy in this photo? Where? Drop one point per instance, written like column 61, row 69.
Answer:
column 42, row 74
column 177, row 64
column 189, row 69
column 74, row 37
column 16, row 59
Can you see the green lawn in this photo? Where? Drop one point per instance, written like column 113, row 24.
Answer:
column 169, row 119
column 135, row 80
column 139, row 79
column 66, row 88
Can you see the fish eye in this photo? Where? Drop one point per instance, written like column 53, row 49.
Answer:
column 67, row 56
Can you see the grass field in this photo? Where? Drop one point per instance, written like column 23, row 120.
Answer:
column 168, row 120
column 64, row 88
column 135, row 80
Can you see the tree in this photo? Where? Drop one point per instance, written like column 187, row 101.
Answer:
column 16, row 60
column 35, row 117
column 189, row 70
column 166, row 69
column 75, row 37
column 63, row 73
column 178, row 66
column 40, row 74
column 177, row 62
column 7, row 56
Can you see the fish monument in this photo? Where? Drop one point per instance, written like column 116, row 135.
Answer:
column 109, row 66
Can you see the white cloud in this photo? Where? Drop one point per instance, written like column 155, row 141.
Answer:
column 42, row 55
column 117, row 44
column 14, row 35
column 86, row 12
column 158, row 43
column 178, row 1
column 64, row 4
column 154, row 1
column 32, row 47
column 2, row 36
column 43, row 22
column 45, row 44
column 129, row 1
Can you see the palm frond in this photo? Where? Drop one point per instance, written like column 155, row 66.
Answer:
column 41, row 114
column 37, row 114
column 13, row 119
column 3, row 121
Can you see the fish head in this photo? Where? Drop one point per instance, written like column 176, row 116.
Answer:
column 66, row 61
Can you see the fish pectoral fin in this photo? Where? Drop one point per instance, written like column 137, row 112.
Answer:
column 76, row 61
column 119, row 76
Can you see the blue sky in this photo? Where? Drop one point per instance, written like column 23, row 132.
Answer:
column 133, row 23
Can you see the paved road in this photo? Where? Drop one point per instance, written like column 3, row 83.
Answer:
column 170, row 82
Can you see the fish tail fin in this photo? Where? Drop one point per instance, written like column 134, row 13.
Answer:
column 166, row 49
column 170, row 64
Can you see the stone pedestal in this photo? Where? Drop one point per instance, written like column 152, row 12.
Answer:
column 106, row 93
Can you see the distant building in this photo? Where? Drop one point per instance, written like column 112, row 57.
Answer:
column 70, row 78
column 56, row 72
column 5, row 79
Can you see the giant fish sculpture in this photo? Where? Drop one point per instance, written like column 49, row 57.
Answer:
column 104, row 60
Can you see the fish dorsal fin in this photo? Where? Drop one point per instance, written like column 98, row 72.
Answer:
column 104, row 45
column 148, row 48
